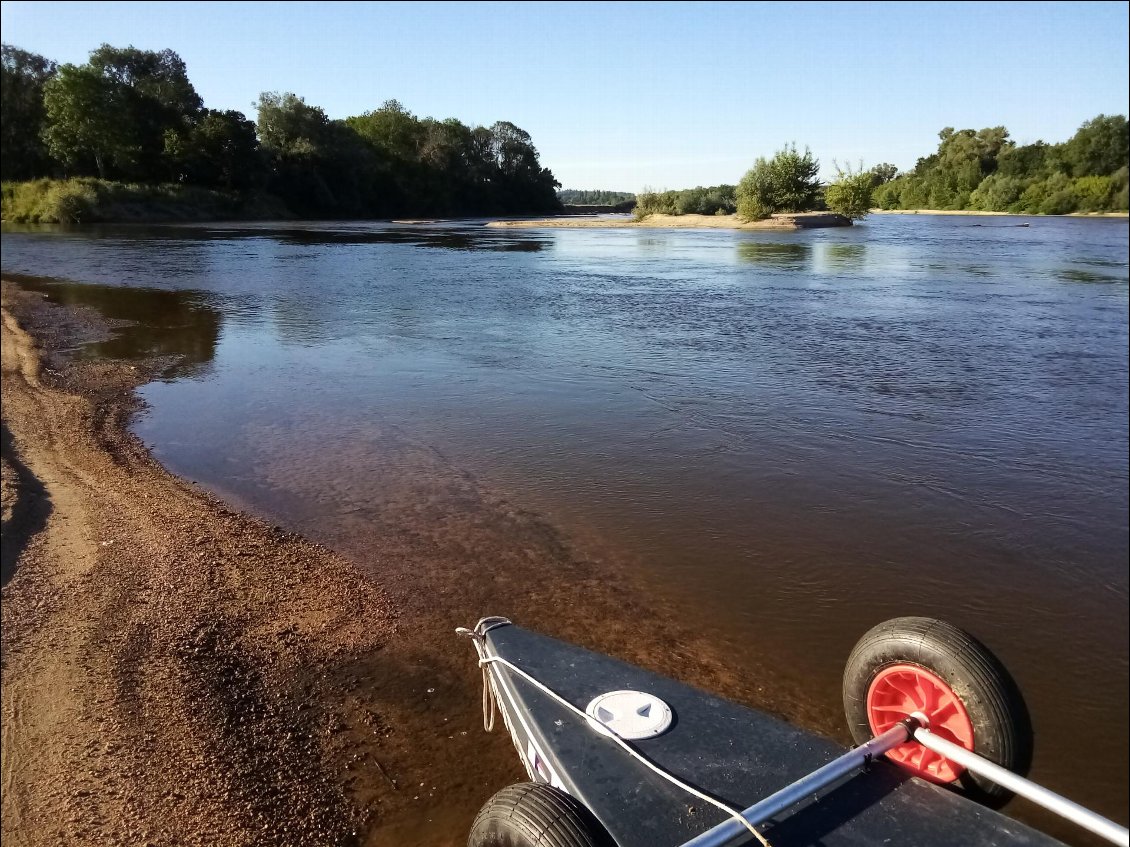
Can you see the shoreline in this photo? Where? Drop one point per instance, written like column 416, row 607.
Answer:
column 785, row 222
column 179, row 671
column 977, row 213
column 151, row 687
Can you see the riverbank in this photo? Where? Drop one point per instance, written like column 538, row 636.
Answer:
column 976, row 213
column 171, row 667
column 90, row 200
column 176, row 671
column 787, row 222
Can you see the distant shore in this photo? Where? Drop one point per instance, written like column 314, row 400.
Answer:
column 995, row 214
column 789, row 222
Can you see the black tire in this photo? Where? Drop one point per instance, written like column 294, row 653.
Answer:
column 533, row 814
column 1002, row 730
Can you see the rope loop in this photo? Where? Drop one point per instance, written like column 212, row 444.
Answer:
column 490, row 706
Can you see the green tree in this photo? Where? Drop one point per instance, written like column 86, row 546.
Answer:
column 392, row 128
column 1093, row 193
column 850, row 194
column 83, row 131
column 298, row 140
column 882, row 174
column 23, row 75
column 220, row 150
column 1099, row 148
column 115, row 111
column 786, row 183
column 998, row 192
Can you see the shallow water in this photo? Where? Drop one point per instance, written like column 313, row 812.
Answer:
column 789, row 436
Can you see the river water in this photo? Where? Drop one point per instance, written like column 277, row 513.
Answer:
column 785, row 438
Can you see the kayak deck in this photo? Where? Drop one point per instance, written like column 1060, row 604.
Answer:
column 734, row 754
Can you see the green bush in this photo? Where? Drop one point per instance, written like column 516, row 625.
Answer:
column 1092, row 193
column 851, row 194
column 1062, row 202
column 91, row 200
column 786, row 183
column 997, row 193
column 718, row 200
column 1120, row 197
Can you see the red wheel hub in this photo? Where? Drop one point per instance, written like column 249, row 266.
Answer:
column 900, row 690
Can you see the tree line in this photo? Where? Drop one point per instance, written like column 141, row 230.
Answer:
column 133, row 116
column 985, row 170
column 786, row 182
column 972, row 170
column 576, row 197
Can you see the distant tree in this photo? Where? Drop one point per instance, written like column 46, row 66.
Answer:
column 756, row 192
column 998, row 192
column 1099, row 148
column 522, row 182
column 287, row 125
column 83, row 130
column 577, row 197
column 850, row 194
column 884, row 173
column 1024, row 162
column 1120, row 189
column 114, row 112
column 393, row 129
column 716, row 200
column 1092, row 193
column 297, row 139
column 220, row 150
column 786, row 183
column 23, row 154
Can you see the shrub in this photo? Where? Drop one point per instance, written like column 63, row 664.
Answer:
column 89, row 200
column 1062, row 202
column 1092, row 193
column 785, row 183
column 997, row 193
column 851, row 193
column 1120, row 197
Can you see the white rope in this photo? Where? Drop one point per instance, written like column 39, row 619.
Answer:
column 488, row 722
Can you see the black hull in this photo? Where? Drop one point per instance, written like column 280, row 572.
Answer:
column 732, row 753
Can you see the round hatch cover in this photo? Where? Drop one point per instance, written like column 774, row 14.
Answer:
column 630, row 714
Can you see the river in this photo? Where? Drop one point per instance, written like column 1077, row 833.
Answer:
column 783, row 438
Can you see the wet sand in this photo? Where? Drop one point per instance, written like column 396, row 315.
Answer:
column 787, row 222
column 176, row 672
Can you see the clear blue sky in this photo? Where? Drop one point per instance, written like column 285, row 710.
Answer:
column 623, row 96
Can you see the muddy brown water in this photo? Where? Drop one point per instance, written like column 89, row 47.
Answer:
column 781, row 439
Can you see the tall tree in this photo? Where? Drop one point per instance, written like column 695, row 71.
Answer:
column 219, row 150
column 1099, row 148
column 116, row 111
column 786, row 183
column 23, row 153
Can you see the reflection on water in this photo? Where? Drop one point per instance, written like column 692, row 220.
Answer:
column 789, row 437
column 1079, row 275
column 843, row 257
column 417, row 235
column 784, row 255
column 148, row 322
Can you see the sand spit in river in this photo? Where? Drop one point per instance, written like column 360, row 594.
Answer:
column 787, row 222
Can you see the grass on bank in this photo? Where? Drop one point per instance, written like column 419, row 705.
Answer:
column 91, row 200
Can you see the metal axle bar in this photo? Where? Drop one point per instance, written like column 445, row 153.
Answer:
column 732, row 831
column 1024, row 787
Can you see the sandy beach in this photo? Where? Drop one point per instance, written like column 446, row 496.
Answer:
column 178, row 672
column 165, row 658
column 786, row 222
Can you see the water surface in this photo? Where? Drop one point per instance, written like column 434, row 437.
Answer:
column 786, row 437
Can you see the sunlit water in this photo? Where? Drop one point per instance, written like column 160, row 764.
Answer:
column 790, row 436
